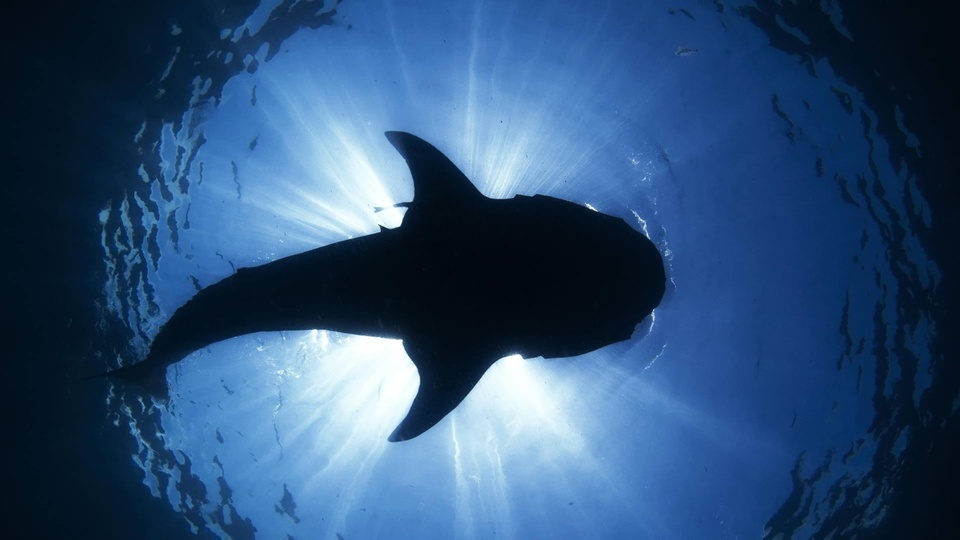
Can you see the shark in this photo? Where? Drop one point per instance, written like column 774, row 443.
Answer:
column 464, row 281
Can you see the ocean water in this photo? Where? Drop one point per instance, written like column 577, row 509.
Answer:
column 795, row 382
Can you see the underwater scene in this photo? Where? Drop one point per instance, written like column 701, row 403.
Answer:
column 624, row 269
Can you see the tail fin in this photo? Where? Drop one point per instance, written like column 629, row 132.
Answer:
column 149, row 376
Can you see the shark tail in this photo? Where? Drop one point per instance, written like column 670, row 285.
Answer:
column 149, row 376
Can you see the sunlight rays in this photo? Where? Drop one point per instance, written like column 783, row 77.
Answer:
column 305, row 164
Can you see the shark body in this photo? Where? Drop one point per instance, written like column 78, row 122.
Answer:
column 464, row 281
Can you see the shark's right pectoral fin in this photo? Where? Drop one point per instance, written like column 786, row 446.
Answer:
column 448, row 371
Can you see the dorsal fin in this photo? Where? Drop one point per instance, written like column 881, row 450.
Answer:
column 439, row 188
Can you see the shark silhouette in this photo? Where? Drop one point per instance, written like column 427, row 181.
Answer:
column 464, row 281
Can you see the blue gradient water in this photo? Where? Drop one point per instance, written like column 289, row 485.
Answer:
column 778, row 387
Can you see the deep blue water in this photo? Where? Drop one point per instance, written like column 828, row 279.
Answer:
column 792, row 163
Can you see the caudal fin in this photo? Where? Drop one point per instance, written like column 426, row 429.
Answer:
column 147, row 375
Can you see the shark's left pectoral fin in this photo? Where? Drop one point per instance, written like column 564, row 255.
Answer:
column 448, row 371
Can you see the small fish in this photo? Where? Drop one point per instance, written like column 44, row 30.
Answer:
column 686, row 51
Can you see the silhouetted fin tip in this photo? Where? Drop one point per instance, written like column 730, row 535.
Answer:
column 395, row 137
column 397, row 436
column 145, row 375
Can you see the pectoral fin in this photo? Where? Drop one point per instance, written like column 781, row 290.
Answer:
column 448, row 369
